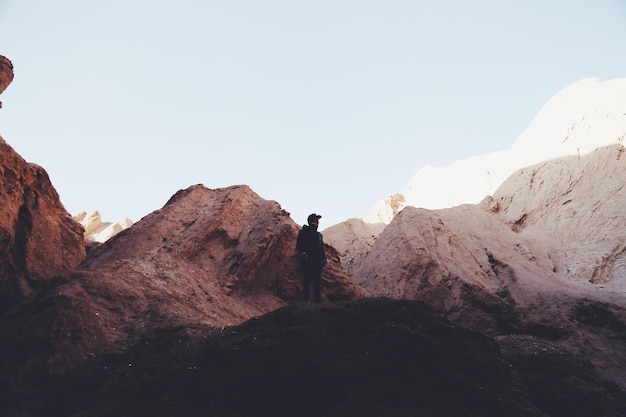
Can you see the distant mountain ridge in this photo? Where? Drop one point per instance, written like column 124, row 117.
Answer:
column 586, row 115
column 97, row 231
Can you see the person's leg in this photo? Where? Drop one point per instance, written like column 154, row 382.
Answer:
column 317, row 286
column 306, row 284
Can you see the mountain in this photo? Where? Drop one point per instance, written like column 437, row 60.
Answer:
column 513, row 306
column 543, row 256
column 192, row 311
column 207, row 260
column 208, row 257
column 528, row 241
column 586, row 115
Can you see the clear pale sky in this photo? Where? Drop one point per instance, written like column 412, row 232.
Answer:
column 324, row 106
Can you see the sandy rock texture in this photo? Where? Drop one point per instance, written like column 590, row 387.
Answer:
column 353, row 239
column 573, row 205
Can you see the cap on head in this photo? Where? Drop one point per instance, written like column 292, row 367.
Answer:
column 313, row 218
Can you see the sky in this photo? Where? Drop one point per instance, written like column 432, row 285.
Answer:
column 324, row 106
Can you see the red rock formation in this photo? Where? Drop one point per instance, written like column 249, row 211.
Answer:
column 207, row 258
column 38, row 237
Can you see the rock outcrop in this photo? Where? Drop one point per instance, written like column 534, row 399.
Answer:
column 208, row 258
column 97, row 231
column 38, row 237
column 6, row 74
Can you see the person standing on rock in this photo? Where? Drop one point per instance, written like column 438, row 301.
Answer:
column 310, row 245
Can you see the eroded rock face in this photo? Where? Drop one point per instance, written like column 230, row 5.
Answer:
column 574, row 205
column 38, row 238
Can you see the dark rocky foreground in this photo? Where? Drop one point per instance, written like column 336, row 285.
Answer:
column 375, row 357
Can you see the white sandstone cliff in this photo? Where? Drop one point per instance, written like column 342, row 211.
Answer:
column 584, row 116
column 98, row 231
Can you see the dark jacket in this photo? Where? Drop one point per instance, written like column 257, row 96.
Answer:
column 310, row 241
